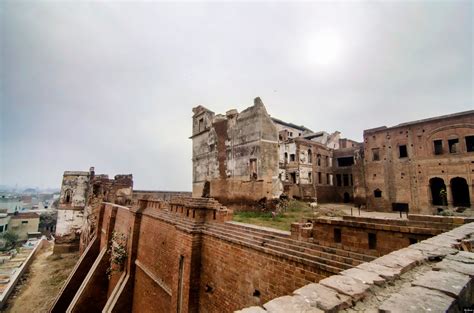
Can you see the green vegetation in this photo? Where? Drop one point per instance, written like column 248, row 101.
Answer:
column 9, row 238
column 294, row 211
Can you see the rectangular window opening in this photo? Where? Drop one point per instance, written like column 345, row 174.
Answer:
column 345, row 179
column 469, row 143
column 201, row 124
column 402, row 149
column 453, row 145
column 293, row 177
column 438, row 147
column 338, row 180
column 337, row 235
column 376, row 154
column 345, row 161
column 372, row 241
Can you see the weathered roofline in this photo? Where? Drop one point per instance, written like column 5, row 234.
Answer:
column 426, row 120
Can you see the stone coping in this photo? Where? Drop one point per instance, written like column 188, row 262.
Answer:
column 379, row 226
column 445, row 286
column 256, row 227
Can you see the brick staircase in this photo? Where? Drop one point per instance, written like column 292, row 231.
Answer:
column 279, row 243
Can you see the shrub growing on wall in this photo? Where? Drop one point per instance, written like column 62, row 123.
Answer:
column 117, row 253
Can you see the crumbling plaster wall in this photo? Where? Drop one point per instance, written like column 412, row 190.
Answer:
column 69, row 221
column 236, row 154
column 72, row 200
column 76, row 185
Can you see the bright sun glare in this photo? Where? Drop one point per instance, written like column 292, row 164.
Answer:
column 325, row 48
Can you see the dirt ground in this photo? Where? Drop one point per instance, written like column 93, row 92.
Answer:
column 40, row 285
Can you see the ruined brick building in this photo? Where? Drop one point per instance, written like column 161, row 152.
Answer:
column 421, row 164
column 245, row 157
column 82, row 194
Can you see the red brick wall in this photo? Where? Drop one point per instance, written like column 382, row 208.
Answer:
column 234, row 272
column 218, row 275
column 357, row 238
column 122, row 227
column 157, row 253
column 147, row 297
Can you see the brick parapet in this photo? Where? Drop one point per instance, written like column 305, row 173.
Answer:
column 196, row 209
column 447, row 287
column 387, row 234
column 382, row 225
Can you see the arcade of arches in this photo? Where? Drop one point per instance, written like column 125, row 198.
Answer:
column 459, row 191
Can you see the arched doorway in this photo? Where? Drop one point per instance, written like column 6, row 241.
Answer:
column 438, row 191
column 206, row 191
column 347, row 197
column 460, row 192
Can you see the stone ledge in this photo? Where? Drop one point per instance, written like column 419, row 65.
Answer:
column 369, row 278
column 287, row 304
column 447, row 288
column 252, row 309
column 454, row 266
column 324, row 298
column 450, row 283
column 349, row 286
column 383, row 271
column 416, row 300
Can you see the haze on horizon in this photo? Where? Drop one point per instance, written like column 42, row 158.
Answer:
column 112, row 84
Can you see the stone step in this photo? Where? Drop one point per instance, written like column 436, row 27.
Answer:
column 268, row 250
column 303, row 244
column 293, row 247
column 267, row 244
column 279, row 239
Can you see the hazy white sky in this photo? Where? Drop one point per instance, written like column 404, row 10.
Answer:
column 112, row 84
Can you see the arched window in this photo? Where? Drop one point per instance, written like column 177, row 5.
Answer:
column 319, row 159
column 68, row 196
column 377, row 193
column 310, row 156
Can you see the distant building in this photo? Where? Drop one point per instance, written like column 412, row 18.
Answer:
column 249, row 157
column 20, row 223
column 80, row 198
column 235, row 156
column 421, row 164
column 23, row 224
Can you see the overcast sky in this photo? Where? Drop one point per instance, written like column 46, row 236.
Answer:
column 112, row 84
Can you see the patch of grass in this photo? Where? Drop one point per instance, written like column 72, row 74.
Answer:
column 295, row 211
